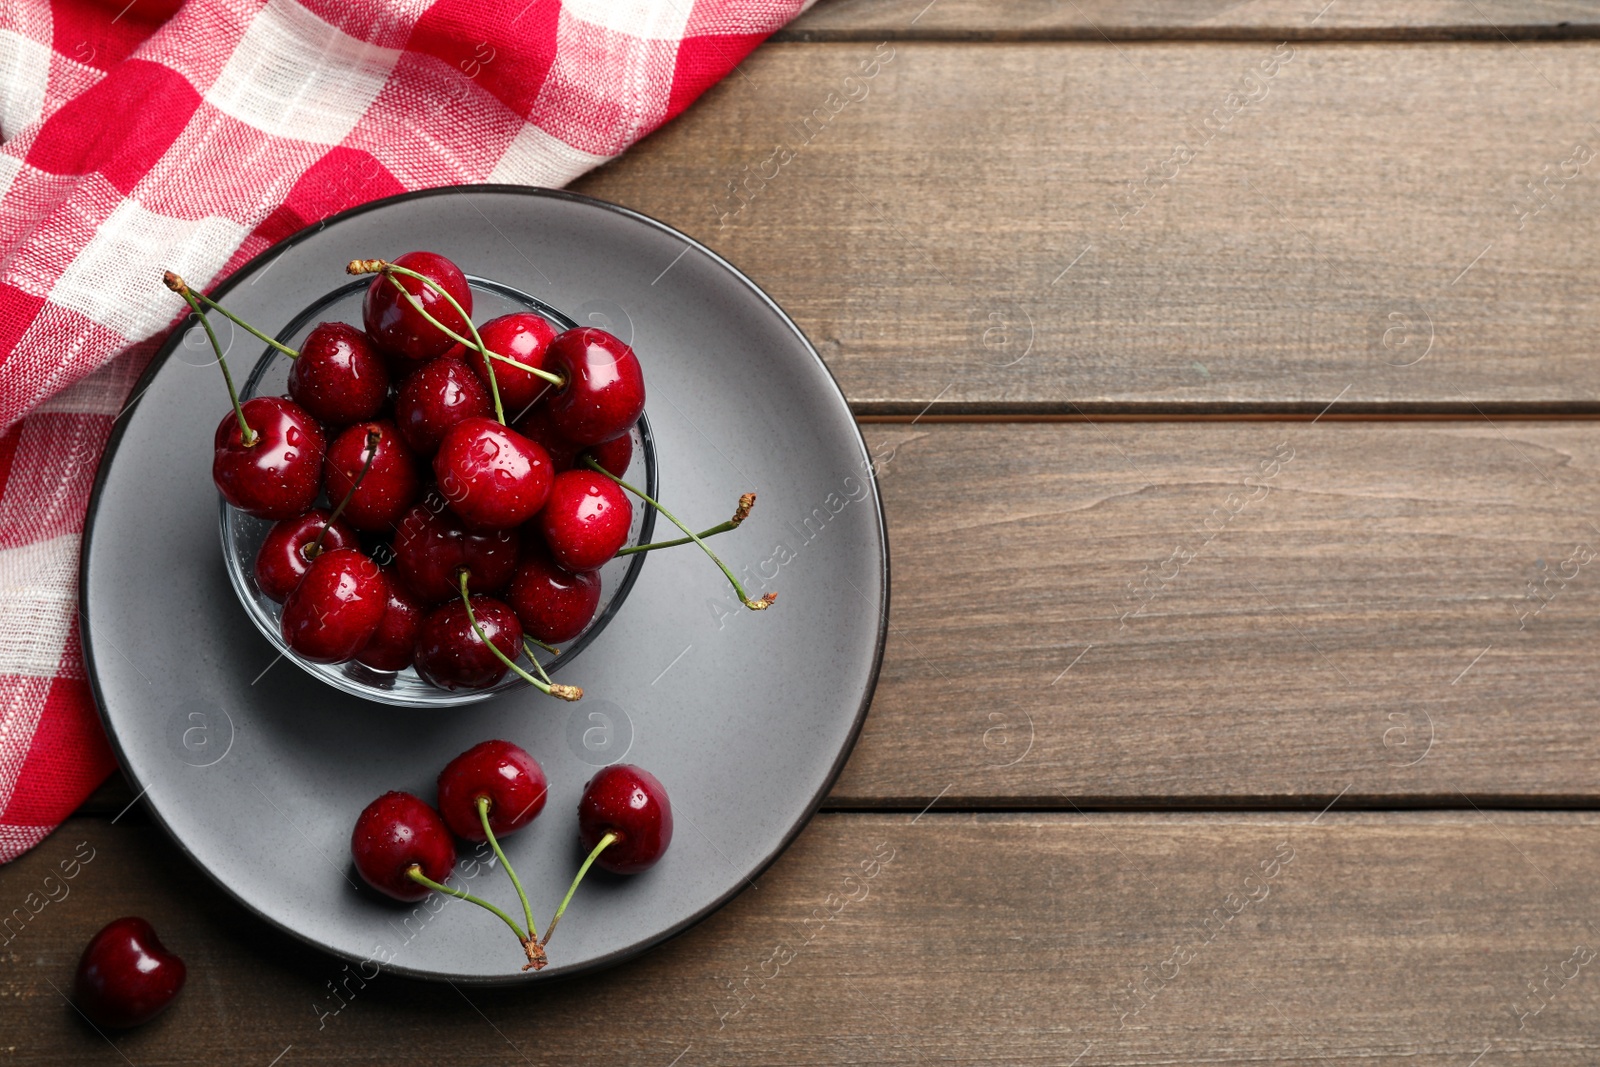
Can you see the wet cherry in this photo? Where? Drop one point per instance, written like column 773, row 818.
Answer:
column 585, row 520
column 493, row 477
column 553, row 604
column 431, row 544
column 126, row 975
column 395, row 833
column 339, row 377
column 614, row 455
column 536, row 427
column 278, row 474
column 511, row 779
column 395, row 640
column 434, row 398
column 284, row 556
column 631, row 803
column 451, row 655
column 524, row 337
column 336, row 608
column 603, row 394
column 391, row 485
column 397, row 326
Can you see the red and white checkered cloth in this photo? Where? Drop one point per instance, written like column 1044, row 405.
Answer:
column 192, row 135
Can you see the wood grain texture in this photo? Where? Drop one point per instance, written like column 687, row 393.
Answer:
column 1147, row 614
column 1122, row 20
column 949, row 939
column 962, row 237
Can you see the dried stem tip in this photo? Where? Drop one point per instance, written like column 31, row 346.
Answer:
column 761, row 603
column 365, row 266
column 536, row 956
column 566, row 692
column 175, row 283
column 746, row 502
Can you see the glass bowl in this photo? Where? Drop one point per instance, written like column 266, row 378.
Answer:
column 243, row 534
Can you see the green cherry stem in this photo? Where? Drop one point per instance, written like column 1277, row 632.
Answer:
column 560, row 692
column 765, row 600
column 745, row 503
column 552, row 649
column 550, row 930
column 414, row 872
column 527, row 910
column 534, row 659
column 179, row 286
column 477, row 342
column 237, row 321
column 373, row 437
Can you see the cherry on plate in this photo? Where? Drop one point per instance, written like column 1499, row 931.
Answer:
column 506, row 774
column 395, row 833
column 631, row 803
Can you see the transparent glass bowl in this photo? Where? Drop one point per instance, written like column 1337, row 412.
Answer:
column 243, row 534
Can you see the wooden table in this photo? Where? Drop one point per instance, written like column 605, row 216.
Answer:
column 1228, row 368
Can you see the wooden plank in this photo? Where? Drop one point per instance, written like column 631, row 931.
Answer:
column 1256, row 614
column 1357, row 231
column 949, row 939
column 1132, row 20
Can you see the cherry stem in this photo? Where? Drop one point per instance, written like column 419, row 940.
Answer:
column 552, row 649
column 237, row 321
column 560, row 692
column 550, row 930
column 373, row 437
column 534, row 660
column 527, row 910
column 177, row 285
column 761, row 604
column 414, row 872
column 745, row 503
column 476, row 342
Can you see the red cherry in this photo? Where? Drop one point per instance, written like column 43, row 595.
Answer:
column 395, row 639
column 511, row 779
column 627, row 801
column 451, row 655
column 536, row 427
column 339, row 377
column 614, row 455
column 494, row 477
column 127, row 976
column 431, row 545
column 553, row 604
column 395, row 833
column 586, row 520
column 391, row 485
column 397, row 326
column 282, row 561
column 604, row 391
column 522, row 336
column 279, row 475
column 336, row 608
column 434, row 398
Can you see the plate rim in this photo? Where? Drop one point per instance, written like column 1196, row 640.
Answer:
column 164, row 352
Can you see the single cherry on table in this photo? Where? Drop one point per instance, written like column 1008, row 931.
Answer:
column 126, row 976
column 503, row 774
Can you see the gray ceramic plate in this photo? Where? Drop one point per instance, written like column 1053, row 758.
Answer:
column 258, row 770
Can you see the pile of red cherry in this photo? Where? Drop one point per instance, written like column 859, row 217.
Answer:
column 403, row 847
column 491, row 529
